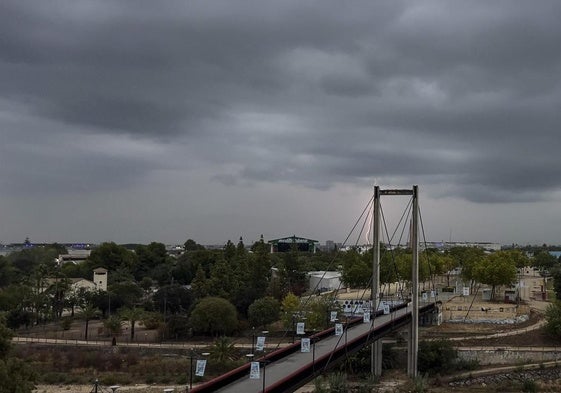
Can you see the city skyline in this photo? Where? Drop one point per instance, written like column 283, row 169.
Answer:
column 141, row 121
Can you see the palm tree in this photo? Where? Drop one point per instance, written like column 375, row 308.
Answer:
column 132, row 315
column 223, row 350
column 114, row 324
column 88, row 313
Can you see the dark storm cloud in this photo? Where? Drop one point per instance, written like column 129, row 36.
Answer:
column 311, row 93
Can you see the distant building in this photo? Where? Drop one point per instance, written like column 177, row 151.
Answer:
column 487, row 246
column 286, row 244
column 100, row 278
column 324, row 281
column 330, row 246
column 81, row 283
column 99, row 282
column 74, row 256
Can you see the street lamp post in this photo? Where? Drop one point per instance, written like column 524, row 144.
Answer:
column 264, row 364
column 346, row 327
column 253, row 340
column 191, row 357
column 191, row 370
column 314, row 340
column 293, row 327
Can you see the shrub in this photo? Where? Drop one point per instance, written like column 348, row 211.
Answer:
column 438, row 356
column 338, row 383
column 529, row 386
column 66, row 323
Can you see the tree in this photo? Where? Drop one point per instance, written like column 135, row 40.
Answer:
column 16, row 375
column 14, row 297
column 223, row 281
column 126, row 294
column 114, row 325
column 553, row 318
column 88, row 313
column 132, row 315
column 214, row 316
column 318, row 311
column 495, row 270
column 229, row 251
column 356, row 271
column 467, row 258
column 544, row 261
column 264, row 311
column 191, row 245
column 5, row 340
column 7, row 272
column 289, row 305
column 148, row 258
column 240, row 248
column 223, row 350
column 448, row 264
column 436, row 356
column 112, row 256
column 519, row 258
column 173, row 299
column 556, row 274
column 253, row 272
column 200, row 284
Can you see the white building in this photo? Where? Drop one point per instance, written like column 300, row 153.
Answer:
column 100, row 278
column 324, row 281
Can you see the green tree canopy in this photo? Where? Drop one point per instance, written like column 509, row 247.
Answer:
column 191, row 245
column 356, row 271
column 498, row 268
column 214, row 316
column 553, row 318
column 148, row 258
column 264, row 311
column 112, row 256
column 131, row 315
column 467, row 258
column 173, row 299
column 290, row 304
column 436, row 356
column 543, row 260
column 16, row 376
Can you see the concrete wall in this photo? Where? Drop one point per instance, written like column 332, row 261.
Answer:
column 520, row 355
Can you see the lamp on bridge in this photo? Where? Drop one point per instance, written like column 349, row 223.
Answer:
column 263, row 364
column 253, row 339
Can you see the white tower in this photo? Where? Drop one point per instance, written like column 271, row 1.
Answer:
column 100, row 278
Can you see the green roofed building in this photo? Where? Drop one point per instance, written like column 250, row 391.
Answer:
column 286, row 244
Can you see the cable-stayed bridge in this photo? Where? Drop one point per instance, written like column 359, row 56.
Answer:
column 288, row 368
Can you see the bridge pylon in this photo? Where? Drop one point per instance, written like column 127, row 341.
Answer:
column 413, row 342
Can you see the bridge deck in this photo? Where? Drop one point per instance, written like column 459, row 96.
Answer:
column 289, row 368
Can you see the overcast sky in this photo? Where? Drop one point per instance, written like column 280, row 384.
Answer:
column 139, row 121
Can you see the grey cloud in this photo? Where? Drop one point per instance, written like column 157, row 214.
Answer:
column 437, row 91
